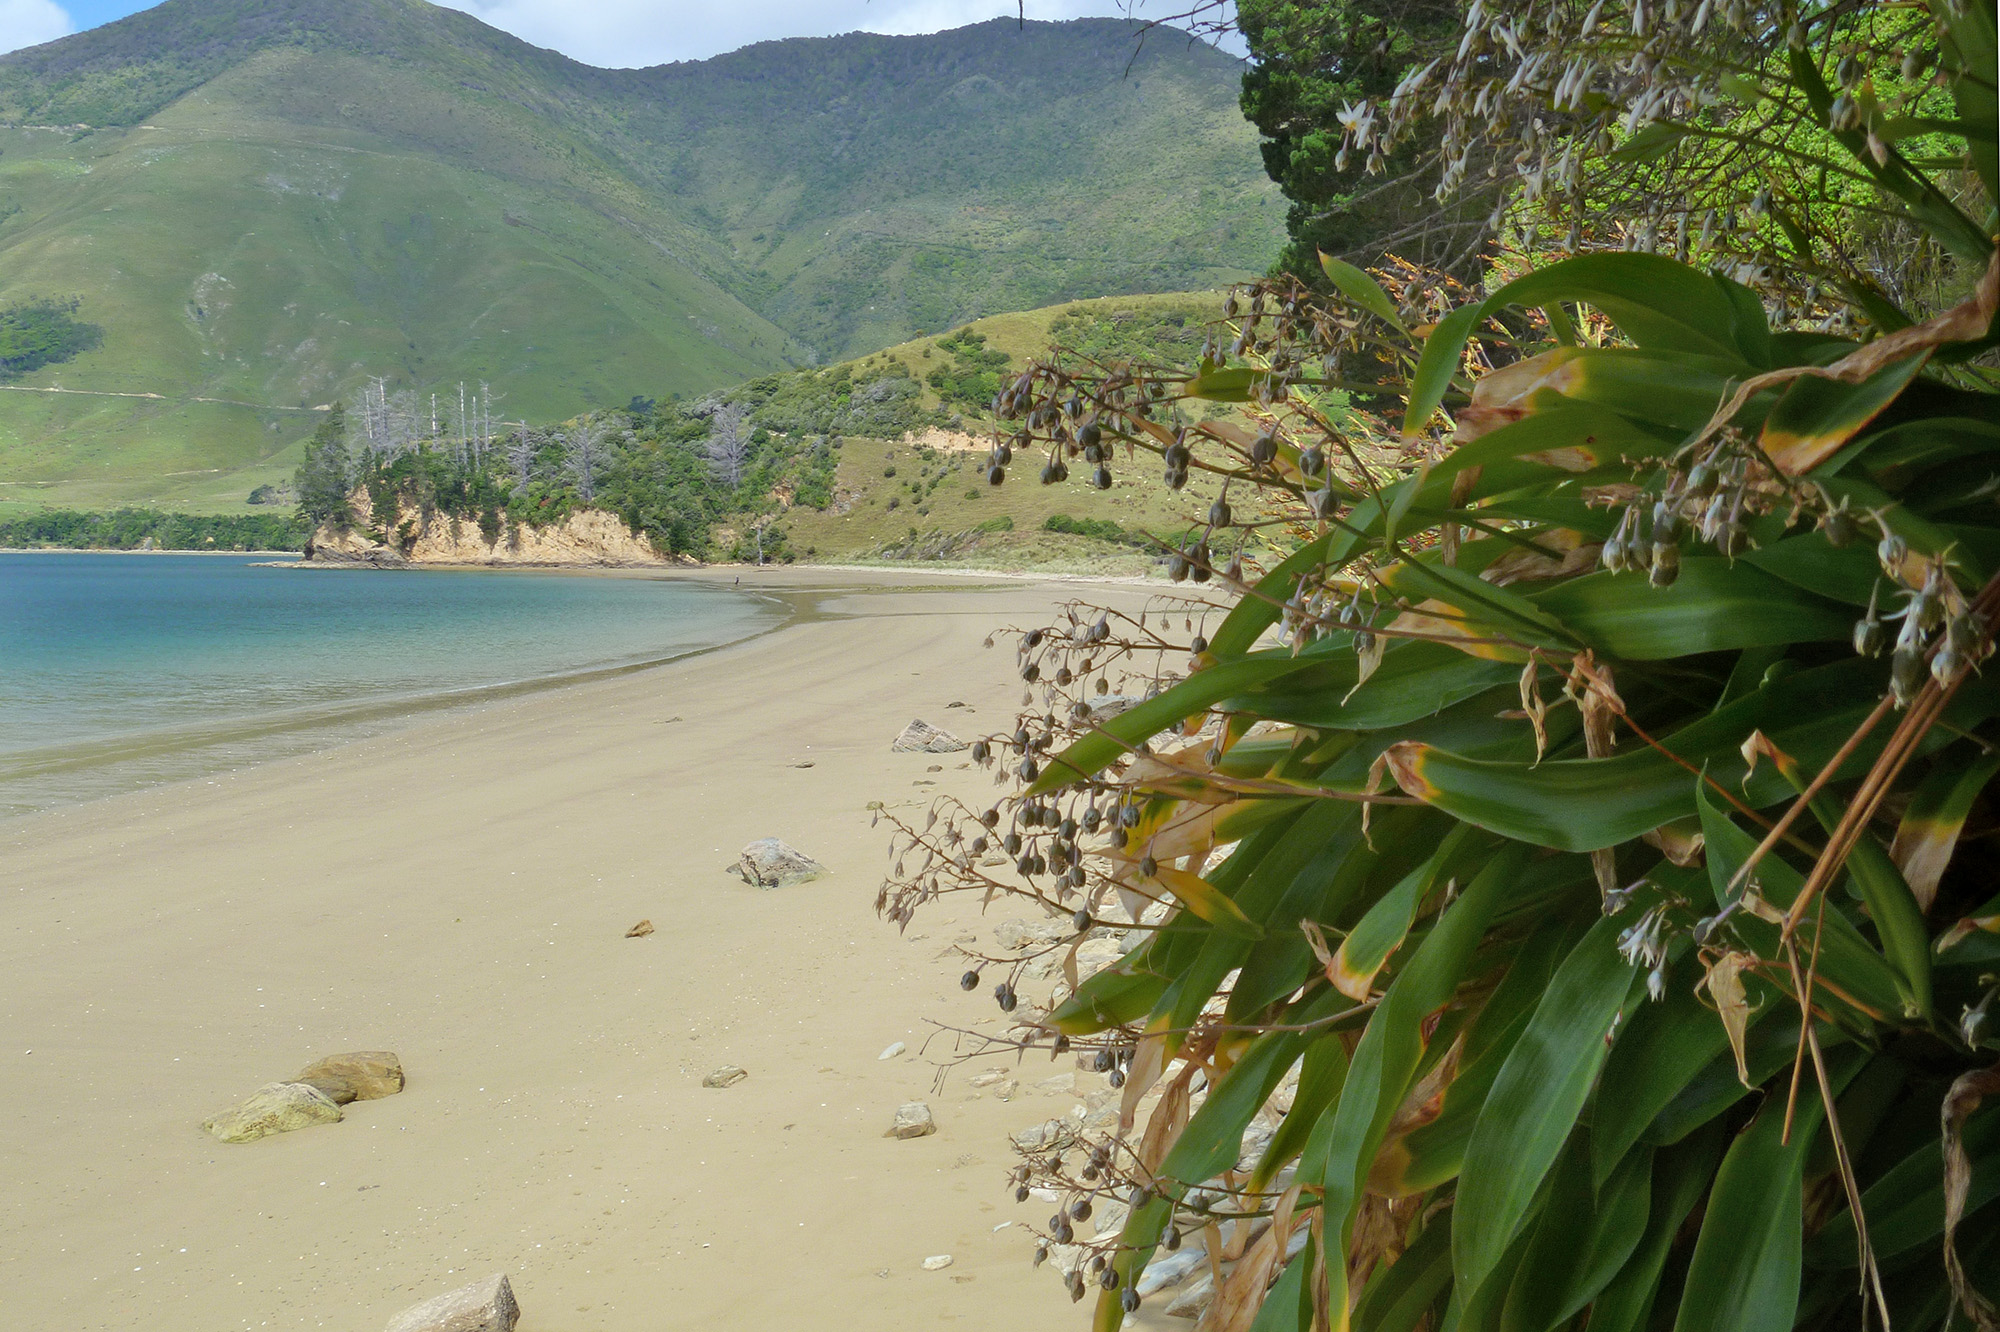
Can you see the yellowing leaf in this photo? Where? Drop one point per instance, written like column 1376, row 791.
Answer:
column 1732, row 1005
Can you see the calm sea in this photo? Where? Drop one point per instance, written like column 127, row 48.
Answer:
column 118, row 671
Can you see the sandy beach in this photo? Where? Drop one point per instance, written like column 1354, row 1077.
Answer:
column 459, row 892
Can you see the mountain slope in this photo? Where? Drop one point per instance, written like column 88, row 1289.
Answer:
column 275, row 200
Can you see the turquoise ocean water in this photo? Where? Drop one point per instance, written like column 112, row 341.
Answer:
column 119, row 671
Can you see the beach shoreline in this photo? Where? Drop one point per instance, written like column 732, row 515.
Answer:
column 458, row 891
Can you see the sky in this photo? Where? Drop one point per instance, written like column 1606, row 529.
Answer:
column 640, row 32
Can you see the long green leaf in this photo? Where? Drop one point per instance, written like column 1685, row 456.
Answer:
column 1747, row 1260
column 1341, row 1150
column 1536, row 1099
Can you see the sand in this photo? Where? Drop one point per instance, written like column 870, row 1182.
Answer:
column 459, row 892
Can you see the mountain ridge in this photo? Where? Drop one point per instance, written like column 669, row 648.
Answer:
column 304, row 194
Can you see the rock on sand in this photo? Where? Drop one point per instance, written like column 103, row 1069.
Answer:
column 913, row 1120
column 276, row 1107
column 920, row 737
column 483, row 1306
column 726, row 1076
column 365, row 1075
column 769, row 863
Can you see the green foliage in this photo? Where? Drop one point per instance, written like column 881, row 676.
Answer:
column 1594, row 806
column 129, row 529
column 36, row 333
column 1311, row 60
column 1101, row 529
column 973, row 376
column 326, row 473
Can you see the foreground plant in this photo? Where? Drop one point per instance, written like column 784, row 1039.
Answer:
column 1566, row 878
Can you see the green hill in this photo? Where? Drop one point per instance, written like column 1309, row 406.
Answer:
column 261, row 204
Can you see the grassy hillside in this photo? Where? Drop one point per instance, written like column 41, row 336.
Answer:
column 275, row 200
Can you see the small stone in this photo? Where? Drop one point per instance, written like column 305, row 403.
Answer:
column 726, row 1076
column 1040, row 1136
column 365, row 1075
column 989, row 1077
column 276, row 1107
column 1007, row 1090
column 937, row 1262
column 769, row 863
column 955, row 703
column 1062, row 1084
column 913, row 1120
column 640, row 931
column 894, row 1049
column 920, row 737
column 483, row 1306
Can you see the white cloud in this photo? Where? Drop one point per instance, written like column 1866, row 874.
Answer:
column 32, row 22
column 650, row 32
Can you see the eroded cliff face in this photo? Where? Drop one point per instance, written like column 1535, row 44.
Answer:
column 588, row 537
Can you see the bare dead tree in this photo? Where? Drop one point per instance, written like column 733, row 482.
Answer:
column 521, row 451
column 728, row 446
column 587, row 450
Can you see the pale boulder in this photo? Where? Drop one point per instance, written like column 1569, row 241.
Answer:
column 913, row 1120
column 769, row 863
column 365, row 1075
column 483, row 1306
column 920, row 737
column 276, row 1107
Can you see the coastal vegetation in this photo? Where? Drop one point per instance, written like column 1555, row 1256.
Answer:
column 150, row 529
column 1558, row 886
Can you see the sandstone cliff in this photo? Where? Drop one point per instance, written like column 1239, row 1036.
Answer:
column 587, row 537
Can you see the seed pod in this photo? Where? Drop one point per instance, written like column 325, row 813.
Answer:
column 1103, row 1062
column 1218, row 513
column 1129, row 1301
column 1011, row 844
column 1667, row 524
column 1116, row 1077
column 1021, row 1196
column 1101, row 478
column 1732, row 541
column 1868, row 633
column 1178, row 455
column 1080, row 1209
column 1907, row 669
column 1892, row 550
column 1028, row 770
column 995, row 475
column 1041, row 1250
column 1323, row 503
column 1666, row 565
column 1177, row 567
column 1263, row 449
column 1031, row 672
column 981, row 751
column 1840, row 528
column 1110, row 1278
column 1198, row 645
column 991, row 818
column 1091, row 819
column 969, row 981
column 1089, row 433
column 1199, row 562
column 1612, row 556
column 1946, row 664
column 1172, row 1242
column 1128, row 816
column 1176, row 478
column 1313, row 461
column 1149, row 867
